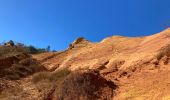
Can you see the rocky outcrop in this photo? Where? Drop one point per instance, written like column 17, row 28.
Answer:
column 10, row 43
column 79, row 42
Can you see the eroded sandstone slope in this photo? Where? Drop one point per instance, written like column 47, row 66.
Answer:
column 138, row 65
column 128, row 51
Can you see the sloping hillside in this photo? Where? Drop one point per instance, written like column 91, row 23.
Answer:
column 138, row 65
column 16, row 67
column 128, row 50
column 118, row 68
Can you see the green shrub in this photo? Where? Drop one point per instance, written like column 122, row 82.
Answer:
column 33, row 50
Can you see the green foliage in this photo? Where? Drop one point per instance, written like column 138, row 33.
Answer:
column 10, row 46
column 48, row 48
column 33, row 50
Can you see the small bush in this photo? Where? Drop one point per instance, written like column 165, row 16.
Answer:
column 40, row 76
column 33, row 50
column 79, row 85
column 84, row 86
column 164, row 51
column 51, row 76
column 59, row 74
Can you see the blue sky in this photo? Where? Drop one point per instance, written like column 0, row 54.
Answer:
column 58, row 22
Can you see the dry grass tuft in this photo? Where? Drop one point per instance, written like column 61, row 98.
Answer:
column 50, row 76
column 19, row 70
column 84, row 86
column 165, row 51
